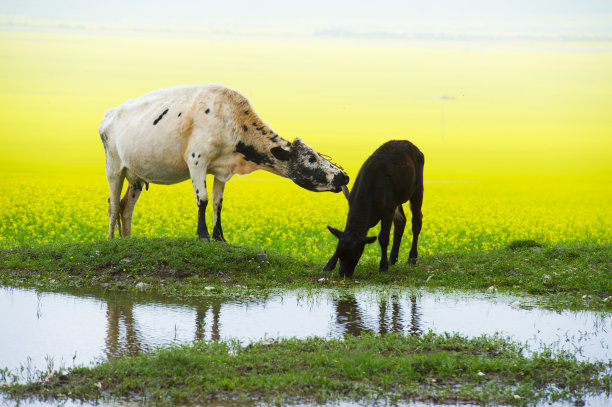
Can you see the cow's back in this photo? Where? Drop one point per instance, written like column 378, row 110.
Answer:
column 395, row 167
column 149, row 135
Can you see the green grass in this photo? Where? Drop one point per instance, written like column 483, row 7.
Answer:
column 440, row 368
column 572, row 276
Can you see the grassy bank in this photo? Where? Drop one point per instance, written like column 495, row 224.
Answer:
column 392, row 367
column 570, row 276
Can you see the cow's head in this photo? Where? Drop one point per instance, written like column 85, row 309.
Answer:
column 349, row 250
column 309, row 169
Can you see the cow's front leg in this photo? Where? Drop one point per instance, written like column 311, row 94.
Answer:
column 197, row 170
column 218, row 187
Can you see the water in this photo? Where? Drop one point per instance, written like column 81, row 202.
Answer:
column 45, row 330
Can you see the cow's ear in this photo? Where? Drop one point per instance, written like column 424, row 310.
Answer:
column 370, row 239
column 334, row 231
column 280, row 153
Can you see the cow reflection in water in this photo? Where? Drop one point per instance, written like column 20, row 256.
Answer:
column 124, row 338
column 201, row 308
column 350, row 317
column 121, row 332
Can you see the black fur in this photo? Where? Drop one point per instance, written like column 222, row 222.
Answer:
column 281, row 154
column 392, row 175
column 251, row 154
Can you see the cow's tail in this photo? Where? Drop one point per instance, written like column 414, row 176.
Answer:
column 105, row 126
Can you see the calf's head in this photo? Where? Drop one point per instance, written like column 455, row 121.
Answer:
column 349, row 250
column 309, row 169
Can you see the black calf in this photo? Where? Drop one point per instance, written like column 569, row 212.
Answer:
column 392, row 175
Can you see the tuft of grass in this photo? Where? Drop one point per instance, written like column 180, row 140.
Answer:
column 523, row 244
column 575, row 276
column 439, row 368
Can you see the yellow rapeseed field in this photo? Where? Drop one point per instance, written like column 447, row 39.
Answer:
column 276, row 214
column 517, row 137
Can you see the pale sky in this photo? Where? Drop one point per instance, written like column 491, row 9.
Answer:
column 484, row 17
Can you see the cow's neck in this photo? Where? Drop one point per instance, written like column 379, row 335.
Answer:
column 258, row 156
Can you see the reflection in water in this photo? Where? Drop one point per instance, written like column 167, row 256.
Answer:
column 121, row 332
column 201, row 308
column 350, row 318
column 79, row 329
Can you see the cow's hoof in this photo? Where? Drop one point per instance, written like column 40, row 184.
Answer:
column 205, row 238
column 412, row 261
column 220, row 239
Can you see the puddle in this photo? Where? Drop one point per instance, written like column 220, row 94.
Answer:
column 42, row 330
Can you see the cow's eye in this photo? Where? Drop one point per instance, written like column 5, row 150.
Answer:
column 312, row 159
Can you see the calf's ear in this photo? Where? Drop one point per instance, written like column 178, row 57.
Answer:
column 370, row 239
column 334, row 231
column 280, row 153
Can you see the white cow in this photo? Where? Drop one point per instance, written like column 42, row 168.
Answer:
column 170, row 135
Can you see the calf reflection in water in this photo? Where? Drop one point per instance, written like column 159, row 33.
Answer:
column 351, row 319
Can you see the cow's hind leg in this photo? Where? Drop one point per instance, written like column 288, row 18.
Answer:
column 218, row 187
column 197, row 171
column 399, row 224
column 115, row 184
column 417, row 222
column 383, row 239
column 128, row 202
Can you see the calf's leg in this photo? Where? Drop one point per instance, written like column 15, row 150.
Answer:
column 383, row 239
column 399, row 224
column 417, row 222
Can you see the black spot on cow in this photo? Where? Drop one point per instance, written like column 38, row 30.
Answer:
column 207, row 111
column 260, row 128
column 244, row 127
column 160, row 117
column 193, row 155
column 179, row 115
column 274, row 138
column 197, row 191
column 147, row 184
column 199, row 155
column 251, row 154
column 133, row 195
column 196, row 162
column 264, row 132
